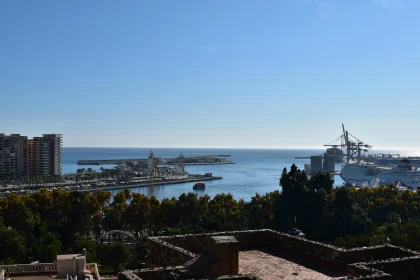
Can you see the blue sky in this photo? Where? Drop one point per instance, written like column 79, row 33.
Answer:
column 219, row 73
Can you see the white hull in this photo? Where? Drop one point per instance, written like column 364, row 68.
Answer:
column 373, row 175
column 359, row 175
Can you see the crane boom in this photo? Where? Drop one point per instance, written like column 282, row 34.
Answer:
column 351, row 146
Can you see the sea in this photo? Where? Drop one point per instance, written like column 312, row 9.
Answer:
column 255, row 170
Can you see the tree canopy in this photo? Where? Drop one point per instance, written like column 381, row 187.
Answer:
column 41, row 225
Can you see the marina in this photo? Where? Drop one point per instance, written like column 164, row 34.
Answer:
column 254, row 171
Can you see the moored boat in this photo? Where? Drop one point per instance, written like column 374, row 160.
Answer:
column 199, row 186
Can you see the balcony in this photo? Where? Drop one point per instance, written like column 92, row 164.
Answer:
column 29, row 268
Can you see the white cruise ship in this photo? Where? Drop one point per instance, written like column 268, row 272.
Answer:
column 404, row 174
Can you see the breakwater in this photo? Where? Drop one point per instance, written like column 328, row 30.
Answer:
column 105, row 161
column 192, row 160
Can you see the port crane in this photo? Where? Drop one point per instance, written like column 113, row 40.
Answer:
column 351, row 146
column 154, row 172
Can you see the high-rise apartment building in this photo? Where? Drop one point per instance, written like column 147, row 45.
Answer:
column 13, row 154
column 56, row 142
column 37, row 156
column 44, row 155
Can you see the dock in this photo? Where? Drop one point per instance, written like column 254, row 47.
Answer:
column 104, row 185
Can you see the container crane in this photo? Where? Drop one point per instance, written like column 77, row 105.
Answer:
column 351, row 146
column 154, row 172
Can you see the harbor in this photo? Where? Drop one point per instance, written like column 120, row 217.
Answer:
column 353, row 160
column 128, row 173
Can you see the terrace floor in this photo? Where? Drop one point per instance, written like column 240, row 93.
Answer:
column 270, row 266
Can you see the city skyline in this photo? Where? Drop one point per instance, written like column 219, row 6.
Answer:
column 248, row 74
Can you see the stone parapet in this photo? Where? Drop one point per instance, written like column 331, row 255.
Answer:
column 237, row 277
column 197, row 243
column 377, row 262
column 405, row 268
column 226, row 249
column 312, row 250
column 157, row 273
column 360, row 271
column 161, row 253
column 128, row 275
column 382, row 252
column 29, row 268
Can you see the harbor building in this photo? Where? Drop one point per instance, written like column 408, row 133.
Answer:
column 13, row 151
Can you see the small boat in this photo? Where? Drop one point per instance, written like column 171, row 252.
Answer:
column 199, row 186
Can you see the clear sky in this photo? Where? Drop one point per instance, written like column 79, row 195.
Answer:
column 215, row 73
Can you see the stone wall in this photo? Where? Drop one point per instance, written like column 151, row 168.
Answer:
column 157, row 273
column 161, row 253
column 38, row 268
column 383, row 252
column 238, row 277
column 312, row 250
column 197, row 243
column 226, row 249
column 405, row 268
column 176, row 250
column 363, row 272
column 128, row 275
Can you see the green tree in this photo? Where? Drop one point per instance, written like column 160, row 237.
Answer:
column 345, row 217
column 138, row 213
column 115, row 255
column 289, row 208
column 169, row 217
column 12, row 246
column 321, row 180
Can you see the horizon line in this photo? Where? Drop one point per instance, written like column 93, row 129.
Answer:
column 237, row 148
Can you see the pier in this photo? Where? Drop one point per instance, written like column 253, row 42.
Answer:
column 105, row 161
column 181, row 160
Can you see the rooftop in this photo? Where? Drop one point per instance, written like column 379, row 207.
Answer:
column 34, row 277
column 269, row 255
column 270, row 266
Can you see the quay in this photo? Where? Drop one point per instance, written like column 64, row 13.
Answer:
column 106, row 185
column 148, row 184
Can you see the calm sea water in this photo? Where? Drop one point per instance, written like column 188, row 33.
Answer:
column 254, row 171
